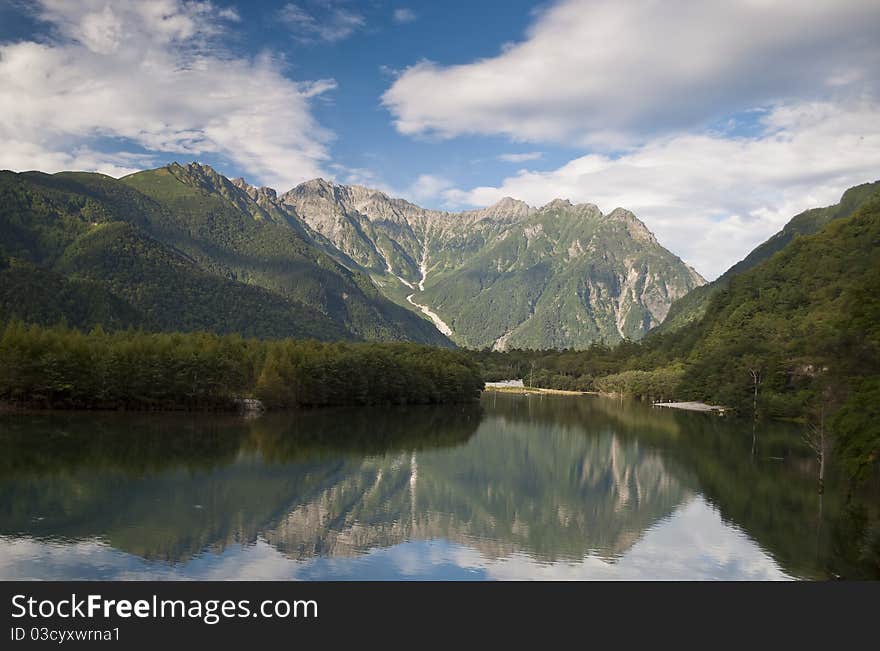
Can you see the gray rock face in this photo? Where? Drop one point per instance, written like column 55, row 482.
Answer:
column 506, row 276
column 509, row 275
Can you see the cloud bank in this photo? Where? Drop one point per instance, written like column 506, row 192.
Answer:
column 716, row 122
column 330, row 23
column 606, row 72
column 116, row 84
column 711, row 198
column 403, row 15
column 520, row 158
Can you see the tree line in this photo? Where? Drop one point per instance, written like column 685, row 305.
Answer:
column 60, row 367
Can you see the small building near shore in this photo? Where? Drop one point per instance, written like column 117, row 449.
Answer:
column 506, row 384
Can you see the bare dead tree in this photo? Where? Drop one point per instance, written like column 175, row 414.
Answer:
column 817, row 439
column 817, row 435
column 757, row 379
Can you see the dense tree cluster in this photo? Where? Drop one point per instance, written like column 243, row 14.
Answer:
column 296, row 373
column 65, row 368
column 660, row 384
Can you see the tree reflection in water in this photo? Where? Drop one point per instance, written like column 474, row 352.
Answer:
column 554, row 480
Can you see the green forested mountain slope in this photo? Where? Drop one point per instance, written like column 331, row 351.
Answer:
column 80, row 238
column 808, row 321
column 808, row 317
column 180, row 296
column 693, row 305
column 224, row 230
column 38, row 295
column 191, row 251
column 505, row 276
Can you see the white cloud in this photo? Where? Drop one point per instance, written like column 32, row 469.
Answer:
column 610, row 73
column 389, row 71
column 427, row 187
column 330, row 23
column 150, row 77
column 710, row 198
column 520, row 158
column 642, row 85
column 229, row 13
column 361, row 176
column 404, row 15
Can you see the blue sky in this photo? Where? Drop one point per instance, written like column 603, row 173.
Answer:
column 363, row 59
column 714, row 122
column 364, row 65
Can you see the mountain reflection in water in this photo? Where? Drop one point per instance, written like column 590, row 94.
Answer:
column 518, row 487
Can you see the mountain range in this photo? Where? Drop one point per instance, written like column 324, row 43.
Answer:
column 184, row 248
column 506, row 276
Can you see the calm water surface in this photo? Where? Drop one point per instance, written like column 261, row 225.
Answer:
column 516, row 488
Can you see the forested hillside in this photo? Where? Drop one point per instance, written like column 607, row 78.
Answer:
column 189, row 252
column 38, row 295
column 693, row 305
column 797, row 336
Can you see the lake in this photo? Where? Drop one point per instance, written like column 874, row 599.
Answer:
column 517, row 487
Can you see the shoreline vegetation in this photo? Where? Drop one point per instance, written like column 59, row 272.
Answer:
column 516, row 389
column 62, row 368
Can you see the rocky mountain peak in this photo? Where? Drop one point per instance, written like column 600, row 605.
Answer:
column 319, row 186
column 197, row 168
column 255, row 193
column 634, row 226
column 557, row 204
column 202, row 176
column 509, row 203
column 239, row 182
column 506, row 209
column 576, row 209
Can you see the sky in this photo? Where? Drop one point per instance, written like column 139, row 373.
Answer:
column 715, row 122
